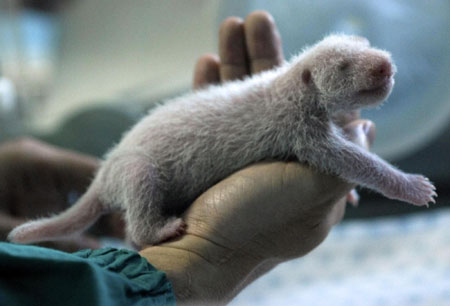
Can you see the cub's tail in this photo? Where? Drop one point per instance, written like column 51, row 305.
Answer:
column 72, row 221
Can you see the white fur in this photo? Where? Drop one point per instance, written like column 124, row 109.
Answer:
column 190, row 143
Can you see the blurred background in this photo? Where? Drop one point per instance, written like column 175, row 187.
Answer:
column 78, row 73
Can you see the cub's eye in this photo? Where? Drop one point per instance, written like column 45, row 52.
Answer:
column 344, row 65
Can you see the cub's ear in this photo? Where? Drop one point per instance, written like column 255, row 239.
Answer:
column 306, row 76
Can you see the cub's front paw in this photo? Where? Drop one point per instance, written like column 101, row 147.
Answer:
column 418, row 190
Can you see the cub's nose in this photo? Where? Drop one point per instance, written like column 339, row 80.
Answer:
column 382, row 70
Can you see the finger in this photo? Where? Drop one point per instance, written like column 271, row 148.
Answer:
column 232, row 50
column 353, row 198
column 206, row 71
column 263, row 42
column 361, row 132
column 344, row 118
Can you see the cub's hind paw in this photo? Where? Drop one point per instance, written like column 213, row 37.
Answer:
column 162, row 231
column 174, row 228
column 419, row 191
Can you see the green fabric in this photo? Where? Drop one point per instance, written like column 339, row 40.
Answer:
column 32, row 275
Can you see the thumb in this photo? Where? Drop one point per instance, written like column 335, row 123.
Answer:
column 361, row 132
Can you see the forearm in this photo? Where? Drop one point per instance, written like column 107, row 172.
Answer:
column 357, row 165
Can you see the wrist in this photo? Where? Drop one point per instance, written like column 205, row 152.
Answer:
column 204, row 272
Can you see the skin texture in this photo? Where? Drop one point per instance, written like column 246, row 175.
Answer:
column 314, row 203
column 192, row 142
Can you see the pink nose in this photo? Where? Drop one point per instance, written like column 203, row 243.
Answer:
column 382, row 70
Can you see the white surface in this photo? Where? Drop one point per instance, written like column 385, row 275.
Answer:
column 388, row 261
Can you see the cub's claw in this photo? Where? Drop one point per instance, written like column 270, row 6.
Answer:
column 419, row 191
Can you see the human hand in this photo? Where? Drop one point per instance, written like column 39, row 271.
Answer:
column 259, row 216
column 37, row 179
column 245, row 48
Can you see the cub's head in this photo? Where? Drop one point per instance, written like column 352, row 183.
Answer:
column 347, row 72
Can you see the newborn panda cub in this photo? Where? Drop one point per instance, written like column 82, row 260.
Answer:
column 192, row 142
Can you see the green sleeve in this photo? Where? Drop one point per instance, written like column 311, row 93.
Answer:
column 31, row 275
